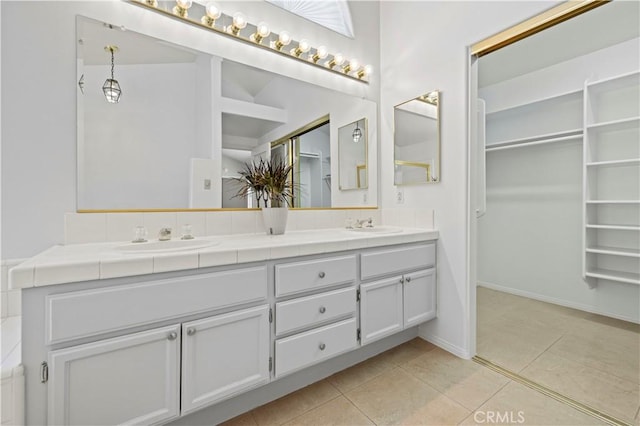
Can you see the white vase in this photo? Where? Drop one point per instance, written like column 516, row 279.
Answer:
column 275, row 219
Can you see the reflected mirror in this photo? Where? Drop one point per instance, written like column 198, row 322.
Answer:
column 416, row 138
column 186, row 121
column 352, row 155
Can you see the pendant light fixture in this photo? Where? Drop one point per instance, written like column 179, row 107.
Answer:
column 357, row 134
column 111, row 87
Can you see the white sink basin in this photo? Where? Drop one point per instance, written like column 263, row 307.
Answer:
column 165, row 246
column 377, row 230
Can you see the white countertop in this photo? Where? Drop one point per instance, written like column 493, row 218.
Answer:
column 83, row 262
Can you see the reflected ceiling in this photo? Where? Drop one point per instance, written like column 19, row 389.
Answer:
column 332, row 14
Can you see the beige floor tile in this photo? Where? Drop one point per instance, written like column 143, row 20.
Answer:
column 513, row 353
column 395, row 397
column 612, row 331
column 407, row 351
column 605, row 392
column 464, row 381
column 245, row 419
column 295, row 404
column 518, row 404
column 358, row 374
column 338, row 411
column 599, row 353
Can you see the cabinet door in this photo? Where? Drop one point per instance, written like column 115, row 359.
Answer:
column 380, row 309
column 419, row 297
column 131, row 379
column 224, row 355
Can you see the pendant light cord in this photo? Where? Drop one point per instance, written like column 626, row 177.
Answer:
column 112, row 63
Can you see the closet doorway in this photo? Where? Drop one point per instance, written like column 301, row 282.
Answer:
column 557, row 237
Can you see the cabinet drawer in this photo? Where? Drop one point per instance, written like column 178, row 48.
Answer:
column 311, row 310
column 398, row 260
column 83, row 313
column 298, row 277
column 304, row 349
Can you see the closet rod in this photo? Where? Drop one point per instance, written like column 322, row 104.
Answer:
column 541, row 142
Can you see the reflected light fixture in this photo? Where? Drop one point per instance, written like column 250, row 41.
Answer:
column 181, row 8
column 238, row 23
column 111, row 87
column 367, row 70
column 321, row 53
column 357, row 134
column 353, row 65
column 262, row 31
column 212, row 12
column 303, row 47
column 338, row 59
column 152, row 3
column 284, row 38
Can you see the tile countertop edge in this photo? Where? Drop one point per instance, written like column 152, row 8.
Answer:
column 33, row 271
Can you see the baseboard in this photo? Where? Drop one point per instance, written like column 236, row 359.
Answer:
column 444, row 344
column 555, row 301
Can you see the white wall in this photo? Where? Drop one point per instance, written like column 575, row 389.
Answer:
column 423, row 47
column 530, row 240
column 38, row 100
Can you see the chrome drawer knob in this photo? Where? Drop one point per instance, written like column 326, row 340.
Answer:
column 191, row 331
column 322, row 346
column 321, row 274
column 322, row 309
column 408, row 279
column 172, row 336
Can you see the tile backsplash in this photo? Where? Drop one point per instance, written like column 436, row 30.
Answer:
column 99, row 227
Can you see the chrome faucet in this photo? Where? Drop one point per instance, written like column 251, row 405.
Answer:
column 367, row 223
column 164, row 234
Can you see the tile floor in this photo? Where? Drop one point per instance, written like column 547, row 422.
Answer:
column 590, row 358
column 414, row 384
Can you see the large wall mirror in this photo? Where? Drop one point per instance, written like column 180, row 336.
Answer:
column 186, row 122
column 416, row 138
column 352, row 146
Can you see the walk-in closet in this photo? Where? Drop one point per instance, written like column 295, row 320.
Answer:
column 558, row 245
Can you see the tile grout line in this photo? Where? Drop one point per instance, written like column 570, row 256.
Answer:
column 358, row 408
column 551, row 393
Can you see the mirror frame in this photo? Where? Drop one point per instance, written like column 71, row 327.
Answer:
column 427, row 98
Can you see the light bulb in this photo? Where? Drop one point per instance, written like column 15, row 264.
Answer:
column 321, row 53
column 213, row 12
column 303, row 47
column 239, row 22
column 284, row 38
column 338, row 59
column 352, row 65
column 366, row 70
column 262, row 31
column 181, row 8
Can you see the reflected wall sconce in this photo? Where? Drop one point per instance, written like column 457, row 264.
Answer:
column 181, row 8
column 111, row 87
column 357, row 134
column 260, row 36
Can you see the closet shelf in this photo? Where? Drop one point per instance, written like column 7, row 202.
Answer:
column 607, row 274
column 615, row 227
column 566, row 135
column 613, row 125
column 614, row 83
column 614, row 251
column 615, row 163
column 613, row 201
column 553, row 98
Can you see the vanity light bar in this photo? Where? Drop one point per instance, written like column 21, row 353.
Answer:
column 261, row 37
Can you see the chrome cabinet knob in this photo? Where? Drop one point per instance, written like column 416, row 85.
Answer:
column 191, row 331
column 322, row 346
column 322, row 309
column 401, row 280
column 172, row 336
column 321, row 274
column 408, row 279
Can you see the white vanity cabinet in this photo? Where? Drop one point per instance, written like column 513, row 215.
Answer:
column 400, row 301
column 131, row 379
column 324, row 322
